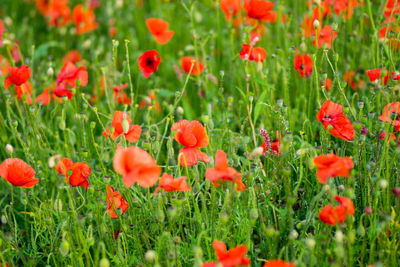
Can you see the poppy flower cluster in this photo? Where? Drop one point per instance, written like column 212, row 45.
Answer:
column 228, row 258
column 334, row 215
column 332, row 165
column 332, row 117
column 192, row 135
column 122, row 125
column 76, row 174
column 57, row 12
column 84, row 19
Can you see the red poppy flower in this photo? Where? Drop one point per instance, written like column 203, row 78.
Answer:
column 186, row 64
column 192, row 135
column 67, row 78
column 334, row 215
column 278, row 263
column 136, row 166
column 391, row 114
column 230, row 8
column 44, row 98
column 18, row 173
column 331, row 116
column 260, row 10
column 231, row 258
column 76, row 174
column 57, row 12
column 73, row 56
column 159, row 29
column 391, row 34
column 375, row 74
column 223, row 173
column 17, row 76
column 2, row 30
column 325, row 36
column 392, row 7
column 169, row 184
column 266, row 145
column 331, row 165
column 84, row 20
column 148, row 62
column 132, row 132
column 304, row 65
column 346, row 7
column 115, row 202
column 250, row 53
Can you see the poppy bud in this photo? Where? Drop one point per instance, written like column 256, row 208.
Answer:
column 334, row 26
column 310, row 242
column 368, row 210
column 383, row 183
column 6, row 42
column 256, row 153
column 197, row 252
column 125, row 125
column 172, row 212
column 316, row 24
column 58, row 205
column 205, row 119
column 64, row 248
column 230, row 99
column 294, row 234
column 15, row 123
column 361, row 230
column 61, row 125
column 270, row 232
column 92, row 124
column 160, row 216
column 3, row 219
column 335, row 57
column 86, row 44
column 9, row 148
column 224, row 218
column 180, row 110
column 253, row 214
column 150, row 255
column 104, row 262
column 119, row 3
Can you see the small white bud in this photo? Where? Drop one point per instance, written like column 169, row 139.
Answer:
column 339, row 236
column 50, row 71
column 150, row 256
column 9, row 148
column 87, row 44
column 310, row 242
column 316, row 24
column 180, row 110
column 383, row 183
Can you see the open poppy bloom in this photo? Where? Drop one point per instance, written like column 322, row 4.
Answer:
column 57, row 12
column 325, row 36
column 391, row 114
column 131, row 131
column 278, row 263
column 230, row 8
column 346, row 7
column 260, row 10
column 136, row 166
column 115, row 202
column 18, row 173
column 192, row 135
column 73, row 56
column 84, row 20
column 148, row 62
column 334, row 215
column 304, row 65
column 159, row 29
column 44, row 98
column 191, row 66
column 331, row 116
column 331, row 165
column 76, row 174
column 250, row 53
column 223, row 173
column 375, row 74
column 231, row 258
column 267, row 145
column 120, row 96
column 392, row 7
column 67, row 78
column 170, row 184
column 18, row 76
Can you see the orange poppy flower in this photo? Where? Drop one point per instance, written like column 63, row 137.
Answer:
column 331, row 116
column 325, row 36
column 114, row 202
column 304, row 65
column 349, row 79
column 231, row 258
column 375, row 74
column 192, row 135
column 223, row 173
column 84, row 20
column 346, row 7
column 73, row 56
column 132, row 132
column 169, row 184
column 17, row 76
column 159, row 29
column 391, row 114
column 328, row 84
column 121, row 97
column 186, row 64
column 250, row 53
column 57, row 12
column 18, row 173
column 136, row 166
column 148, row 62
column 230, row 8
column 44, row 98
column 278, row 263
column 260, row 10
column 331, row 165
column 80, row 171
column 334, row 215
column 67, row 78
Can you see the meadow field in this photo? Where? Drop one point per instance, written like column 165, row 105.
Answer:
column 200, row 133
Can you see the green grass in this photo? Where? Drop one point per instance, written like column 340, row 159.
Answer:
column 276, row 217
